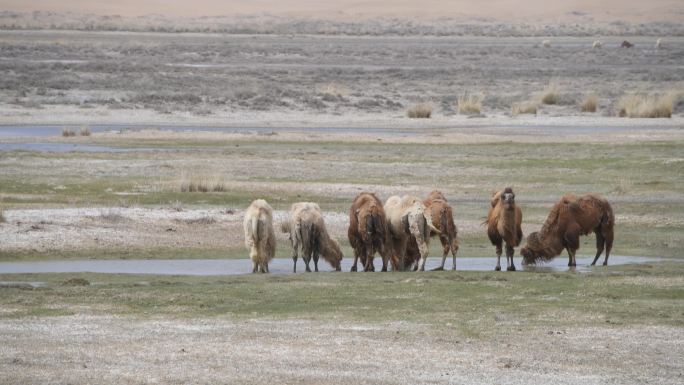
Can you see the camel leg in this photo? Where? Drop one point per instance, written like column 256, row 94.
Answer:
column 356, row 260
column 454, row 250
column 609, row 245
column 498, row 257
column 307, row 259
column 600, row 242
column 315, row 262
column 294, row 260
column 369, row 266
column 571, row 258
column 509, row 258
column 385, row 260
column 266, row 267
column 255, row 267
column 445, row 251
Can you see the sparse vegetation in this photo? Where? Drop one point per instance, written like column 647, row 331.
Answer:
column 205, row 220
column 637, row 105
column 111, row 215
column 201, row 184
column 590, row 103
column 68, row 132
column 420, row 111
column 469, row 104
column 550, row 94
column 524, row 108
column 85, row 131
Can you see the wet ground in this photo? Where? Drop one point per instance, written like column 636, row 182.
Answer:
column 277, row 266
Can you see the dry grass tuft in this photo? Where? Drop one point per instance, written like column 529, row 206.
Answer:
column 68, row 132
column 420, row 111
column 597, row 44
column 590, row 103
column 205, row 220
column 75, row 282
column 550, row 94
column 201, row 184
column 112, row 216
column 524, row 108
column 335, row 89
column 638, row 105
column 176, row 206
column 85, row 131
column 546, row 43
column 469, row 104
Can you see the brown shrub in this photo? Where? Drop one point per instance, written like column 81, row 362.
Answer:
column 420, row 111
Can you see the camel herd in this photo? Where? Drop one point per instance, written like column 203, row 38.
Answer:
column 399, row 231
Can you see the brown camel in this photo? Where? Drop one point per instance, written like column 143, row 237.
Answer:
column 503, row 225
column 443, row 219
column 368, row 232
column 569, row 218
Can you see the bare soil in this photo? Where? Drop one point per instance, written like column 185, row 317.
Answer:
column 114, row 350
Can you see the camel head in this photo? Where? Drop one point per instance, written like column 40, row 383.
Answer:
column 533, row 250
column 336, row 255
column 508, row 198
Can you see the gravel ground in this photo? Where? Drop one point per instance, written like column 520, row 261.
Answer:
column 113, row 350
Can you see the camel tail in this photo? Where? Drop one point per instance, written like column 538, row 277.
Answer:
column 285, row 227
column 377, row 225
column 255, row 229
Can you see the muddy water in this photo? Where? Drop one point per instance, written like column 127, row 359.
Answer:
column 279, row 265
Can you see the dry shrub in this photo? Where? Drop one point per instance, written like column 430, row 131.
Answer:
column 202, row 184
column 75, row 282
column 335, row 89
column 420, row 111
column 85, row 131
column 550, row 94
column 525, row 108
column 638, row 105
column 597, row 44
column 469, row 104
column 205, row 220
column 590, row 103
column 111, row 215
column 67, row 132
column 546, row 43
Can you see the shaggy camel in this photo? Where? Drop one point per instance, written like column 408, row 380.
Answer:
column 569, row 218
column 306, row 229
column 259, row 235
column 443, row 219
column 409, row 220
column 368, row 232
column 503, row 225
